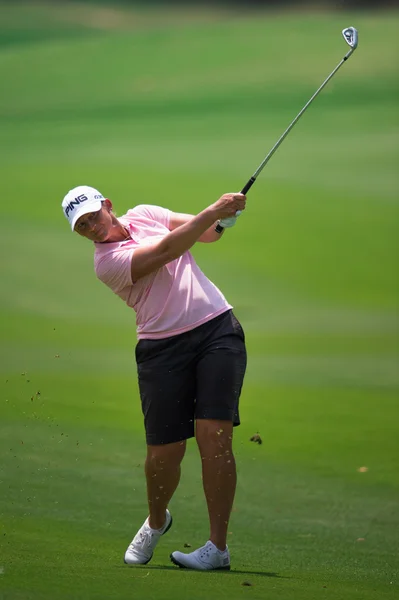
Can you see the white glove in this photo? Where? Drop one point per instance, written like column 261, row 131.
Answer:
column 229, row 221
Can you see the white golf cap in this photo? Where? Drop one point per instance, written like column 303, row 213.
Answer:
column 79, row 201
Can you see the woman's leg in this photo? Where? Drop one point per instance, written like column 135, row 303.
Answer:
column 214, row 439
column 162, row 469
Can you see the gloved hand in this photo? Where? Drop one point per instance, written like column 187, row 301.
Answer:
column 229, row 221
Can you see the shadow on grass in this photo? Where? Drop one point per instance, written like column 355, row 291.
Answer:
column 261, row 573
column 231, row 572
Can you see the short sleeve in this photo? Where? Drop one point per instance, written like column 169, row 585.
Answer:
column 155, row 213
column 114, row 269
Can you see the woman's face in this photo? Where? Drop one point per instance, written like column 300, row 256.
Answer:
column 95, row 226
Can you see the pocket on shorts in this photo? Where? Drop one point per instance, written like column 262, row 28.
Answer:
column 237, row 327
column 147, row 349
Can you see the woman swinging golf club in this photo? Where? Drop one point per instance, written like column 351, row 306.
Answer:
column 191, row 355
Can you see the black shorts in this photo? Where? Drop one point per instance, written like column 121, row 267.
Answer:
column 195, row 375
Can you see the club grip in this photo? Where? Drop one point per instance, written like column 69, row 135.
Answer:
column 248, row 185
column 244, row 190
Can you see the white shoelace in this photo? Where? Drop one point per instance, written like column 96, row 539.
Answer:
column 144, row 540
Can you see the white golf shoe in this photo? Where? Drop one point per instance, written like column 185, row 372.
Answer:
column 141, row 548
column 206, row 558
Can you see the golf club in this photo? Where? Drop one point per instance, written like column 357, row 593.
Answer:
column 351, row 38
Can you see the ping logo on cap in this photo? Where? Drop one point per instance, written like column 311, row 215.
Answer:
column 78, row 200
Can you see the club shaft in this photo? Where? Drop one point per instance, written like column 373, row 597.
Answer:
column 299, row 115
column 252, row 180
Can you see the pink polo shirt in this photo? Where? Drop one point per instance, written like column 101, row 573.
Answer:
column 169, row 301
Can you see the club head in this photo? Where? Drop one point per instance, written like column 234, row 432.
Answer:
column 350, row 36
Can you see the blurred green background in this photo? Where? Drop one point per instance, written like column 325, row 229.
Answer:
column 175, row 106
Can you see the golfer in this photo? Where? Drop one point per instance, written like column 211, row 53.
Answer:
column 191, row 356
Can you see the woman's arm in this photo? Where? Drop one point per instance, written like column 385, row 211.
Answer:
column 147, row 259
column 210, row 235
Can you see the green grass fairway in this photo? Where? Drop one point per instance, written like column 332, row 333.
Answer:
column 175, row 108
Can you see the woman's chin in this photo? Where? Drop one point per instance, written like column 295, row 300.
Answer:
column 101, row 236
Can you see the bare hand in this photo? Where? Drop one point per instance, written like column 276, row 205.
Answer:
column 228, row 205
